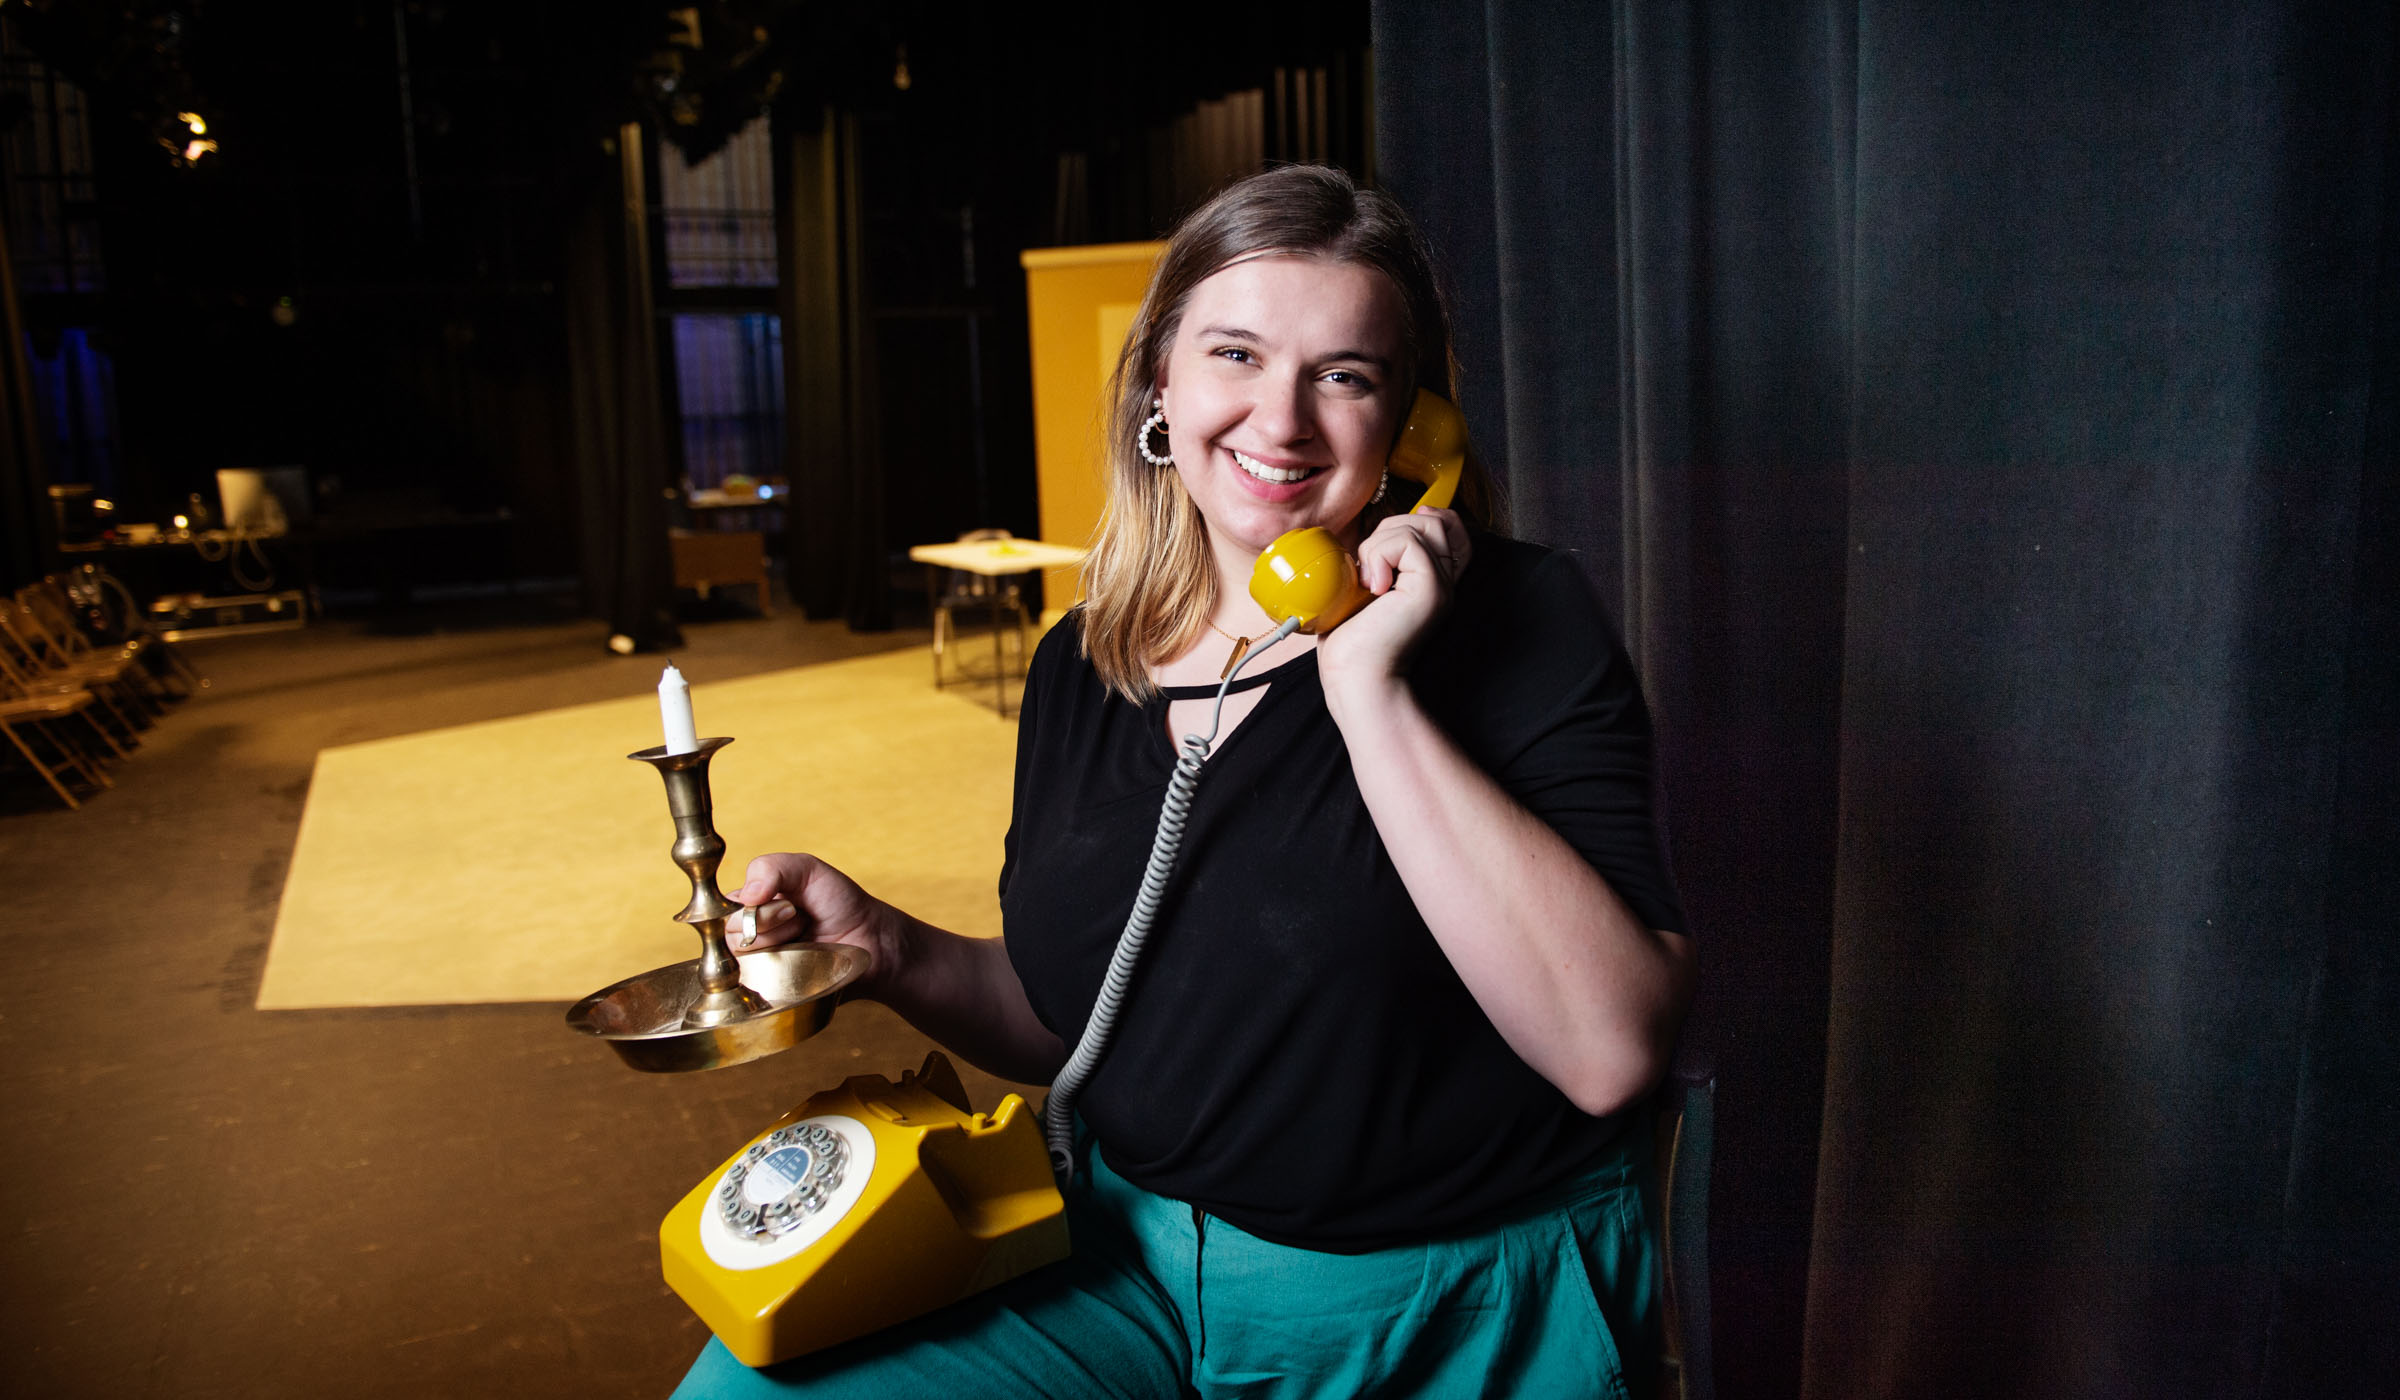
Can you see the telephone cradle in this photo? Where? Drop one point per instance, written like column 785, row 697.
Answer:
column 869, row 1204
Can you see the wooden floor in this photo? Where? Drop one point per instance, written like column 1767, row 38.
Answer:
column 204, row 1199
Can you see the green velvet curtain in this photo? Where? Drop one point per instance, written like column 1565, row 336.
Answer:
column 1981, row 418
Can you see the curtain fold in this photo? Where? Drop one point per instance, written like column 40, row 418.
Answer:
column 2113, row 350
column 1637, row 207
column 617, row 424
column 1980, row 421
column 836, row 561
column 27, row 524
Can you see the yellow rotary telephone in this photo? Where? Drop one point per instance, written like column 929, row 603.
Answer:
column 870, row 1204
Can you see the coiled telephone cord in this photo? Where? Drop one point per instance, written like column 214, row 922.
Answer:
column 1058, row 1112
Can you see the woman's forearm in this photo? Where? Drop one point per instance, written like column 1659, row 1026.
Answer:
column 964, row 993
column 1580, row 989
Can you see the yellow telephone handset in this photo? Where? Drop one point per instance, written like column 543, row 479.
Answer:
column 1432, row 448
column 1307, row 574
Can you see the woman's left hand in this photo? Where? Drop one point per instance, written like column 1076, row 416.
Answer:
column 1410, row 563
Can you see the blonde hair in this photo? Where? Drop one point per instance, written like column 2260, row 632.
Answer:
column 1150, row 584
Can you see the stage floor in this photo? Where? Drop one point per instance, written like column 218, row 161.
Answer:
column 429, row 1188
column 526, row 859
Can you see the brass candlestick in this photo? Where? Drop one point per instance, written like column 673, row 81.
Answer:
column 698, row 849
column 718, row 1009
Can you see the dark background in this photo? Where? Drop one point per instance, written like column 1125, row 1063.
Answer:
column 1979, row 417
column 427, row 253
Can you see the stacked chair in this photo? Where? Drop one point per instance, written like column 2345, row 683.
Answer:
column 82, row 674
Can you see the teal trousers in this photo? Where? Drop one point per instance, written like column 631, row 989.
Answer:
column 1158, row 1301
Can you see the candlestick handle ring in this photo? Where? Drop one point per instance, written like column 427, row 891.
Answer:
column 698, row 850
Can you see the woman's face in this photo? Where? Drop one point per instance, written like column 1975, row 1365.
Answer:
column 1282, row 395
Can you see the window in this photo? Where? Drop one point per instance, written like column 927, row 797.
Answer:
column 719, row 215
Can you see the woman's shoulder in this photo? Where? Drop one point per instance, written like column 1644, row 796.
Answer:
column 1521, row 591
column 1065, row 633
column 1526, row 638
column 1059, row 669
column 1059, row 652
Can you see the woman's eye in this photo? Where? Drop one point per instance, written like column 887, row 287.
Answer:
column 1349, row 379
column 1235, row 353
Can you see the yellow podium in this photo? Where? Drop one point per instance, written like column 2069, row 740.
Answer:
column 1079, row 302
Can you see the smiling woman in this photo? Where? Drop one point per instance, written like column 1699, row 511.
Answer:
column 1418, row 962
column 1282, row 404
column 1288, row 279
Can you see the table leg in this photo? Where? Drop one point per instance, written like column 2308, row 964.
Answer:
column 999, row 667
column 933, row 607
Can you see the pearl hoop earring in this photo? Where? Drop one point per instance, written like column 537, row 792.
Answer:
column 1155, row 423
column 1382, row 486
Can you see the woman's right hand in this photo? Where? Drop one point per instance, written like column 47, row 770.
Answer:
column 961, row 991
column 801, row 897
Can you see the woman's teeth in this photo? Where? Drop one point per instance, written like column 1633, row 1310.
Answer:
column 1277, row 475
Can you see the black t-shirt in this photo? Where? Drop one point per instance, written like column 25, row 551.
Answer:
column 1296, row 1054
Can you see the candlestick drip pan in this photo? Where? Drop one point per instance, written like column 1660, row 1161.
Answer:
column 645, row 1019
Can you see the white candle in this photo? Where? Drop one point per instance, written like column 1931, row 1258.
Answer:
column 675, row 712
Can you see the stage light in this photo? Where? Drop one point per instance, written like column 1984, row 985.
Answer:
column 195, row 121
column 197, row 149
column 900, row 78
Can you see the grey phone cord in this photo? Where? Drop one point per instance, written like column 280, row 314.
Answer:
column 1058, row 1112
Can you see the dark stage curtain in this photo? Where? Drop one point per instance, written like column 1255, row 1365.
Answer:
column 614, row 400
column 836, row 563
column 26, row 523
column 1981, row 419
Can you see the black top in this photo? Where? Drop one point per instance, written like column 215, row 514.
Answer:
column 1296, row 1055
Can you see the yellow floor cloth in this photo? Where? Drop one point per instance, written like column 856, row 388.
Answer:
column 527, row 860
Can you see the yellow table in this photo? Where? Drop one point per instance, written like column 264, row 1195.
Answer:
column 994, row 559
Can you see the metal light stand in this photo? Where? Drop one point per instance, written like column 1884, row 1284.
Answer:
column 717, row 1009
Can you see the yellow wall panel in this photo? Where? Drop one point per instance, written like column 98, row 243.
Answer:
column 1079, row 302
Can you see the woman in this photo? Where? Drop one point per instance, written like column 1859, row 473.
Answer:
column 1367, row 1124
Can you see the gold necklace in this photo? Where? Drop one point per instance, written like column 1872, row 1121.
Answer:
column 1241, row 647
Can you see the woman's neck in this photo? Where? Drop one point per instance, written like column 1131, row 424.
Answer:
column 1237, row 618
column 1236, row 611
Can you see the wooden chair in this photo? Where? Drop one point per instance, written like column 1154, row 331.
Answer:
column 1687, row 1133
column 105, row 609
column 38, row 661
column 19, row 683
column 29, row 723
column 47, row 613
column 712, row 559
